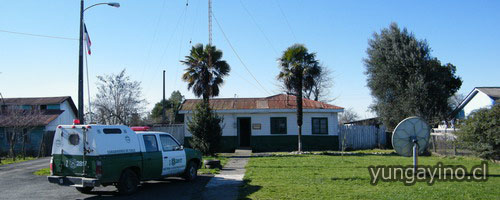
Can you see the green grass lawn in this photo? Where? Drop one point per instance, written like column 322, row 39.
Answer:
column 42, row 172
column 6, row 161
column 347, row 177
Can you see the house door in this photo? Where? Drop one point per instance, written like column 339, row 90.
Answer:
column 244, row 131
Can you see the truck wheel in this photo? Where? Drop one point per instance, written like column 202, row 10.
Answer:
column 128, row 182
column 84, row 190
column 191, row 171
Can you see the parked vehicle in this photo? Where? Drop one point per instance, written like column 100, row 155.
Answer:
column 87, row 156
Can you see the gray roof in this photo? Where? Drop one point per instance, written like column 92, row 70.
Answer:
column 32, row 101
column 492, row 92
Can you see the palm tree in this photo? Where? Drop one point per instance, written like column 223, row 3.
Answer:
column 205, row 71
column 298, row 69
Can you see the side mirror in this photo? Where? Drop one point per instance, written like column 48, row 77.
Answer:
column 179, row 148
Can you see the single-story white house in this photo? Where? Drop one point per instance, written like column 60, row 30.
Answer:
column 54, row 111
column 270, row 123
column 479, row 97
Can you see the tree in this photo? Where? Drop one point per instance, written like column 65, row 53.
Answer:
column 205, row 71
column 405, row 80
column 455, row 100
column 118, row 99
column 298, row 70
column 348, row 115
column 480, row 132
column 205, row 128
column 322, row 84
column 316, row 87
column 173, row 104
column 19, row 123
column 204, row 74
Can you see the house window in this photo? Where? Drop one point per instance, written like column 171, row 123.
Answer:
column 43, row 107
column 278, row 125
column 319, row 125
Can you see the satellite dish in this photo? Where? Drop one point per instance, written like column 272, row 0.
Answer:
column 410, row 137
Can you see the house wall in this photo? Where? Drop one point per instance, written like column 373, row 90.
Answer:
column 480, row 100
column 66, row 117
column 263, row 140
column 32, row 146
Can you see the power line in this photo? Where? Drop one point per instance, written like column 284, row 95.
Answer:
column 38, row 35
column 166, row 47
column 286, row 20
column 147, row 64
column 237, row 55
column 180, row 44
column 260, row 29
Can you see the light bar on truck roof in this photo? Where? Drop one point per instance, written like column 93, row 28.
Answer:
column 140, row 128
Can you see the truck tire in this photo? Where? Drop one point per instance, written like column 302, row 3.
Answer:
column 191, row 171
column 128, row 183
column 84, row 190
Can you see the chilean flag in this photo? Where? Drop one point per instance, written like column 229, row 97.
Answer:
column 87, row 38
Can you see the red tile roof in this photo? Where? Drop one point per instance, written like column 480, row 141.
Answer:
column 280, row 101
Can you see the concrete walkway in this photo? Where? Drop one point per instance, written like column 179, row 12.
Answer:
column 225, row 185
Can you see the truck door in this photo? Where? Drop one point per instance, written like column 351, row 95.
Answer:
column 68, row 151
column 174, row 157
column 152, row 158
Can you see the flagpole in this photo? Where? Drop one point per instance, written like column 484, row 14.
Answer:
column 80, row 58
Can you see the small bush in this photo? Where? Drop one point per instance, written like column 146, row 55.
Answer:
column 206, row 130
column 481, row 133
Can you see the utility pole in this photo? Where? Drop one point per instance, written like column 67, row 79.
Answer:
column 80, row 68
column 163, row 110
column 210, row 22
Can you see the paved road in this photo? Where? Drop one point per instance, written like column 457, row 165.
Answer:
column 18, row 182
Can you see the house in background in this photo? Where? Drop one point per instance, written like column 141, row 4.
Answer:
column 479, row 97
column 270, row 123
column 53, row 112
column 374, row 121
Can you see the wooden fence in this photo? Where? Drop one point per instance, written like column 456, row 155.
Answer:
column 356, row 137
column 176, row 130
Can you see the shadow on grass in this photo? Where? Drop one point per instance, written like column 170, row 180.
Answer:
column 247, row 189
column 357, row 154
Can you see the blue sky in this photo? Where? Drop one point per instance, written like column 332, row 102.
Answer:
column 146, row 37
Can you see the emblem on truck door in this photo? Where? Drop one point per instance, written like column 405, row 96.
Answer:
column 127, row 139
column 175, row 161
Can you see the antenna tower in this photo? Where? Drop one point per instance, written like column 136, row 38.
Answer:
column 210, row 22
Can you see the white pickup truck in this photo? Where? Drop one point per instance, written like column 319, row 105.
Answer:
column 87, row 156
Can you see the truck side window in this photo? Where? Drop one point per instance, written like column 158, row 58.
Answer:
column 112, row 131
column 168, row 143
column 150, row 143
